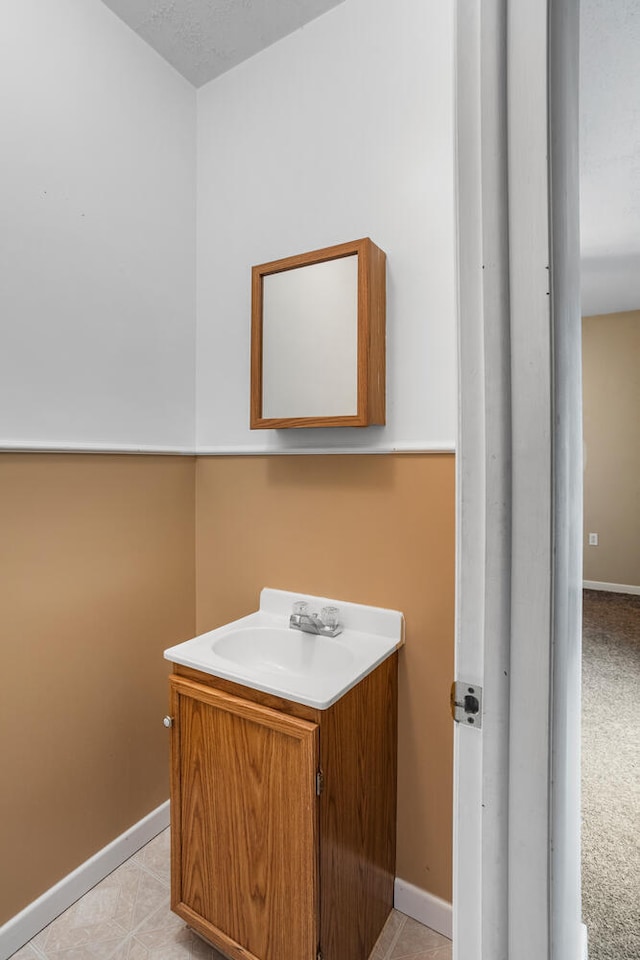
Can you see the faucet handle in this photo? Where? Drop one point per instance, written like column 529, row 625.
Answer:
column 300, row 608
column 330, row 616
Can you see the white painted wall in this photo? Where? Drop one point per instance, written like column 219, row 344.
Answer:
column 342, row 130
column 97, row 237
column 610, row 155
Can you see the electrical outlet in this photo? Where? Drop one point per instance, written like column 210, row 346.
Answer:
column 593, row 539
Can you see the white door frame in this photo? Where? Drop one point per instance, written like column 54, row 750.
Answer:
column 516, row 839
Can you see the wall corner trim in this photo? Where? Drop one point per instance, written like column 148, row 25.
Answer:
column 423, row 907
column 444, row 446
column 228, row 450
column 20, row 929
column 610, row 587
column 45, row 446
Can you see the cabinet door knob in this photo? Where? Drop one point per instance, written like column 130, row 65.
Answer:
column 168, row 721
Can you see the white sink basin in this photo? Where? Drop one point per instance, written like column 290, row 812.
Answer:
column 263, row 652
column 282, row 650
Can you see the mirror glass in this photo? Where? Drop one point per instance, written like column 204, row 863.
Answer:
column 310, row 340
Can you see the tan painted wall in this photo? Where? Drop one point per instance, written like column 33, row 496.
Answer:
column 611, row 396
column 96, row 579
column 372, row 529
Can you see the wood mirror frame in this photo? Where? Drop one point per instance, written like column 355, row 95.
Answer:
column 370, row 350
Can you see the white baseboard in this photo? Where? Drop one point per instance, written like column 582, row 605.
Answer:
column 585, row 943
column 30, row 921
column 423, row 907
column 610, row 587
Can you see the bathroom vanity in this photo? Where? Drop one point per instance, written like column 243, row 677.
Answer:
column 283, row 812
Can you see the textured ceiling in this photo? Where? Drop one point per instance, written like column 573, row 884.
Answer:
column 610, row 155
column 610, row 127
column 203, row 38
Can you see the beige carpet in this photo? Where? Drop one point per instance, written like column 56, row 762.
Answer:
column 611, row 775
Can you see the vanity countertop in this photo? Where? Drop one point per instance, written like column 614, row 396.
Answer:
column 263, row 652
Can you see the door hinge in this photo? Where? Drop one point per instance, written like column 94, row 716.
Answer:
column 466, row 703
column 319, row 782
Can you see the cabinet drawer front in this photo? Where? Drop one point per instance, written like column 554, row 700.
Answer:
column 244, row 812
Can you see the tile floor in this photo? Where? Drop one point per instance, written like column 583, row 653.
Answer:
column 127, row 917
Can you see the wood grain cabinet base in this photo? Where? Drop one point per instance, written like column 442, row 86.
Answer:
column 283, row 817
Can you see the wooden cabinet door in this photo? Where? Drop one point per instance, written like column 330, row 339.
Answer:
column 244, row 824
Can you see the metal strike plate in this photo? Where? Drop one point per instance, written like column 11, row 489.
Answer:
column 466, row 703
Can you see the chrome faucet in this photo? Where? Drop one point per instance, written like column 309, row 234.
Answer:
column 325, row 624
